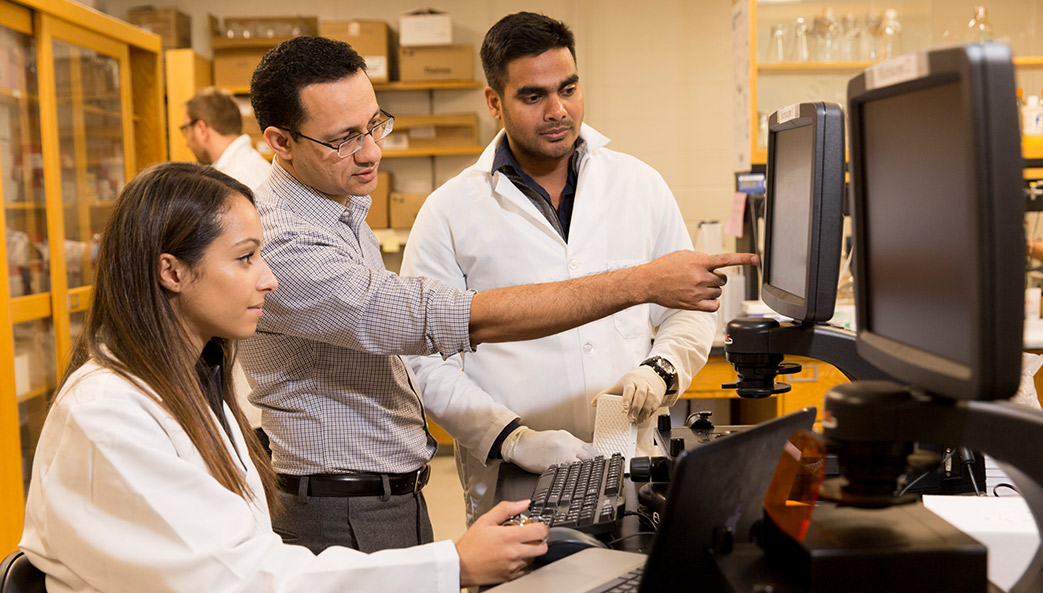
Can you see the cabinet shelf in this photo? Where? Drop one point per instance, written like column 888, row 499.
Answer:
column 812, row 67
column 394, row 86
column 16, row 94
column 38, row 392
column 24, row 205
column 447, row 151
column 426, row 86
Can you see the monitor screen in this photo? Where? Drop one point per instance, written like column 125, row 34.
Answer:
column 804, row 210
column 939, row 243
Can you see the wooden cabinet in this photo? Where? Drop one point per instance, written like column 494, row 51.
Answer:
column 924, row 24
column 80, row 114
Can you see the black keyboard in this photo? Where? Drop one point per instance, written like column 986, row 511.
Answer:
column 585, row 495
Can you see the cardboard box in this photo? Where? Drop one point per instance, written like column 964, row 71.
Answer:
column 234, row 66
column 369, row 38
column 240, row 43
column 425, row 26
column 173, row 26
column 420, row 132
column 404, row 208
column 443, row 62
column 378, row 212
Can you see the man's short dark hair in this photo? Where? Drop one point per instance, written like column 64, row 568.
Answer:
column 218, row 109
column 275, row 89
column 519, row 35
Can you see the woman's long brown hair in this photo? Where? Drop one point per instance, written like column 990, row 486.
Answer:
column 131, row 326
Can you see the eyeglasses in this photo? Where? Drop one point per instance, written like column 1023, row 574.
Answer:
column 353, row 143
column 184, row 128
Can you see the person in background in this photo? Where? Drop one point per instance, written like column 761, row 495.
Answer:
column 547, row 201
column 348, row 430
column 146, row 476
column 213, row 131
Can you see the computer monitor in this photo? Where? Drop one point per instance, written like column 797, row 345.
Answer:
column 939, row 244
column 804, row 210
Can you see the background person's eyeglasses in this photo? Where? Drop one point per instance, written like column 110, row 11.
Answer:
column 353, row 143
column 185, row 127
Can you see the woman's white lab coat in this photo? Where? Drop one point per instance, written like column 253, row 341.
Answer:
column 121, row 501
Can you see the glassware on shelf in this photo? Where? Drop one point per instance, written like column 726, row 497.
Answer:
column 871, row 39
column 776, row 45
column 890, row 35
column 827, row 37
column 801, row 52
column 850, row 39
column 978, row 29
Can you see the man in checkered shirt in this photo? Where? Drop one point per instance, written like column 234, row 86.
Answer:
column 347, row 427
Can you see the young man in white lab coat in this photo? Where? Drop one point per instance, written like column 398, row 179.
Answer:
column 548, row 201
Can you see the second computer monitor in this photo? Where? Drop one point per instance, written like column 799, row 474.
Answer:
column 804, row 210
column 938, row 217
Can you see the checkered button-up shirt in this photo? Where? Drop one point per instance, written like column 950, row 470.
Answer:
column 324, row 365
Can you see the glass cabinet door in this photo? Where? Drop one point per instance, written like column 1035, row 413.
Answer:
column 24, row 216
column 94, row 138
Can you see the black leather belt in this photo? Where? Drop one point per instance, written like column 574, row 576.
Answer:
column 357, row 484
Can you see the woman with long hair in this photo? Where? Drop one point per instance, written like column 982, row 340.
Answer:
column 147, row 476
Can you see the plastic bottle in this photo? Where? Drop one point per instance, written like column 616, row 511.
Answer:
column 1032, row 121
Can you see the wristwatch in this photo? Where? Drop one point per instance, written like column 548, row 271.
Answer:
column 665, row 369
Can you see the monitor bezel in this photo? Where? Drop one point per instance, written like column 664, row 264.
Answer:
column 826, row 217
column 985, row 78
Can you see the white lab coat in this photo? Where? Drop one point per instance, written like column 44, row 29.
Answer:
column 244, row 164
column 478, row 231
column 121, row 501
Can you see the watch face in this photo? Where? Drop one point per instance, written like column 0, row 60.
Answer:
column 666, row 365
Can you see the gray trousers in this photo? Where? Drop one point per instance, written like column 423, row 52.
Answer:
column 364, row 523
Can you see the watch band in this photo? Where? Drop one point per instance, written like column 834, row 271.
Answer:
column 665, row 370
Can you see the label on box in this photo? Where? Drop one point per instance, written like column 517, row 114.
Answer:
column 422, row 132
column 396, row 142
column 376, row 66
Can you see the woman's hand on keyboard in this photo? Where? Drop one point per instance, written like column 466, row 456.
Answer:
column 493, row 553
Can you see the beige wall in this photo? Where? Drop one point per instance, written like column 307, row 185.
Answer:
column 656, row 76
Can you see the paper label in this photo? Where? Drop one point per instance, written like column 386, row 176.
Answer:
column 396, row 142
column 788, row 112
column 422, row 132
column 376, row 66
column 896, row 70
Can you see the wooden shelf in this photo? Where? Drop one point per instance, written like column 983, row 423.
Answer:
column 809, row 67
column 32, row 393
column 16, row 94
column 395, row 86
column 24, row 205
column 427, row 86
column 447, row 151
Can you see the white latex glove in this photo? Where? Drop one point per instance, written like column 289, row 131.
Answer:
column 536, row 450
column 643, row 391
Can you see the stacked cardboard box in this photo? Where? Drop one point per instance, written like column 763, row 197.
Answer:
column 371, row 39
column 173, row 26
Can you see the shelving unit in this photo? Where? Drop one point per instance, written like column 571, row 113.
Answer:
column 81, row 111
column 925, row 24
